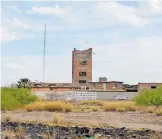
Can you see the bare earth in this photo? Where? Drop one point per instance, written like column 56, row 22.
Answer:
column 134, row 120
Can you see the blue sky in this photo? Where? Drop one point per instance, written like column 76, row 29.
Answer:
column 126, row 37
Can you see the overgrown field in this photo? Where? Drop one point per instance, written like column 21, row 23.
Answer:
column 148, row 101
column 92, row 106
column 150, row 97
column 12, row 98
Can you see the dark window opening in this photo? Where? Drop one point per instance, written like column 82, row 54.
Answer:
column 37, row 84
column 153, row 87
column 82, row 81
column 83, row 62
column 82, row 73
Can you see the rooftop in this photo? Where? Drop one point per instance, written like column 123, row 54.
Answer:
column 106, row 82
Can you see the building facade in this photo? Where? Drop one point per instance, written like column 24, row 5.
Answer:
column 81, row 66
column 55, row 87
column 142, row 86
column 106, row 86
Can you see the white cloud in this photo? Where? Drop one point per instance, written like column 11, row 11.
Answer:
column 8, row 36
column 47, row 10
column 155, row 6
column 16, row 24
column 118, row 12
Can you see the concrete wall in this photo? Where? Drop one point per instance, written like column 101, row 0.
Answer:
column 100, row 95
column 111, row 95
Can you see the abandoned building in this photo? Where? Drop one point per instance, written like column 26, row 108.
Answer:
column 142, row 86
column 58, row 87
column 82, row 78
column 105, row 85
column 81, row 66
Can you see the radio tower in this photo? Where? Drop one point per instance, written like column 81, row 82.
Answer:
column 44, row 53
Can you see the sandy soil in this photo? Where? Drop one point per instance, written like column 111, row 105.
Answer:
column 132, row 120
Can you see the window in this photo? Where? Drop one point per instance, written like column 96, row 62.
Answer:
column 37, row 85
column 83, row 62
column 82, row 81
column 153, row 87
column 82, row 73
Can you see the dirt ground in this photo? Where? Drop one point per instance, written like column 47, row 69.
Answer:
column 134, row 120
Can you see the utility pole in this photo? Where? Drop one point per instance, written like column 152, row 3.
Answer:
column 44, row 53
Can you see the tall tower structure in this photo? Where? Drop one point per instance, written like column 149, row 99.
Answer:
column 81, row 66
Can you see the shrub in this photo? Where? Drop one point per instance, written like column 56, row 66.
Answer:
column 110, row 107
column 51, row 106
column 57, row 118
column 68, row 107
column 94, row 108
column 37, row 106
column 159, row 111
column 150, row 109
column 7, row 118
column 150, row 97
column 54, row 106
column 12, row 98
column 120, row 109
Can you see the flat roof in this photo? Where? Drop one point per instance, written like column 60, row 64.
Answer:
column 107, row 82
column 149, row 83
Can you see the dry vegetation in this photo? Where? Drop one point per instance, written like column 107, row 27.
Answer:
column 51, row 106
column 92, row 105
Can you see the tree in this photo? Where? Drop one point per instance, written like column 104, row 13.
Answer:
column 24, row 83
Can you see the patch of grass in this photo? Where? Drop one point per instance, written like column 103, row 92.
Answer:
column 92, row 102
column 37, row 106
column 150, row 109
column 94, row 108
column 54, row 106
column 51, row 106
column 120, row 109
column 158, row 111
column 120, row 106
column 13, row 98
column 57, row 118
column 68, row 107
column 7, row 118
column 110, row 107
column 150, row 97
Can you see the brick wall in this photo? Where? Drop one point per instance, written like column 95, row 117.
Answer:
column 56, row 89
column 77, row 67
column 109, row 85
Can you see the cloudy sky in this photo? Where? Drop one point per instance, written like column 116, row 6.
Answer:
column 125, row 36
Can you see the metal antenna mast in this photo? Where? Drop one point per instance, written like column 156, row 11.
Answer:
column 44, row 52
